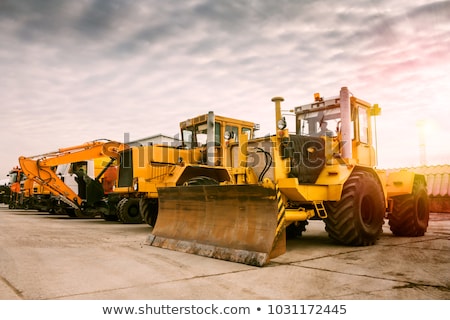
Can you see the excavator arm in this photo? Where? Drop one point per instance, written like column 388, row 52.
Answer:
column 41, row 169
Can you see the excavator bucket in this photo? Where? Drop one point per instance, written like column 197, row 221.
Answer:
column 239, row 223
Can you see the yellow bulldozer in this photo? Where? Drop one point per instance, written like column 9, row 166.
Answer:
column 201, row 158
column 325, row 170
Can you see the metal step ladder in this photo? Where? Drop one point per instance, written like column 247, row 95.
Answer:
column 320, row 209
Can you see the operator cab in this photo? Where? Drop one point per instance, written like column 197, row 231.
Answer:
column 323, row 118
column 213, row 134
column 16, row 175
column 194, row 132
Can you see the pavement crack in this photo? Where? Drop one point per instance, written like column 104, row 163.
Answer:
column 417, row 240
column 12, row 287
column 80, row 294
column 421, row 285
column 402, row 283
column 276, row 263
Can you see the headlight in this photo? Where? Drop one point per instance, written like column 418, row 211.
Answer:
column 282, row 124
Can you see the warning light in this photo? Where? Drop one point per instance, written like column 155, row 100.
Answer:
column 317, row 97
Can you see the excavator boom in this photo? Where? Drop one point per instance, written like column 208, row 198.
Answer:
column 41, row 169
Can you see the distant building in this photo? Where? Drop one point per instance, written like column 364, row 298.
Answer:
column 438, row 185
column 156, row 139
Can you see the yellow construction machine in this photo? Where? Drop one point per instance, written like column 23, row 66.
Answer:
column 19, row 190
column 22, row 193
column 88, row 198
column 325, row 170
column 201, row 158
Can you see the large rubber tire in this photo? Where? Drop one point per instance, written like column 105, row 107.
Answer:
column 357, row 218
column 111, row 214
column 128, row 211
column 296, row 229
column 410, row 213
column 149, row 210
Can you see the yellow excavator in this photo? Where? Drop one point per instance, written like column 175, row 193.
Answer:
column 26, row 194
column 90, row 200
column 19, row 190
column 201, row 158
column 325, row 170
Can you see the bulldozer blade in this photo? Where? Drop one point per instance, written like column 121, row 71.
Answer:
column 230, row 222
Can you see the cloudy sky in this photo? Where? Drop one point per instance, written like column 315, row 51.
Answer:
column 75, row 71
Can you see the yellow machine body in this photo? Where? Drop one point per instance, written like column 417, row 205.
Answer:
column 203, row 153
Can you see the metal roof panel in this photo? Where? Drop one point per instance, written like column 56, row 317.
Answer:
column 437, row 177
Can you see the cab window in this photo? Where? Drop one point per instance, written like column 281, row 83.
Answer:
column 363, row 125
column 234, row 132
column 217, row 133
column 247, row 131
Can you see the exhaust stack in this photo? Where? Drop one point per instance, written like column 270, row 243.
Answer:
column 278, row 116
column 346, row 128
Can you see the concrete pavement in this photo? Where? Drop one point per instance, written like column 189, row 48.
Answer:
column 45, row 256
